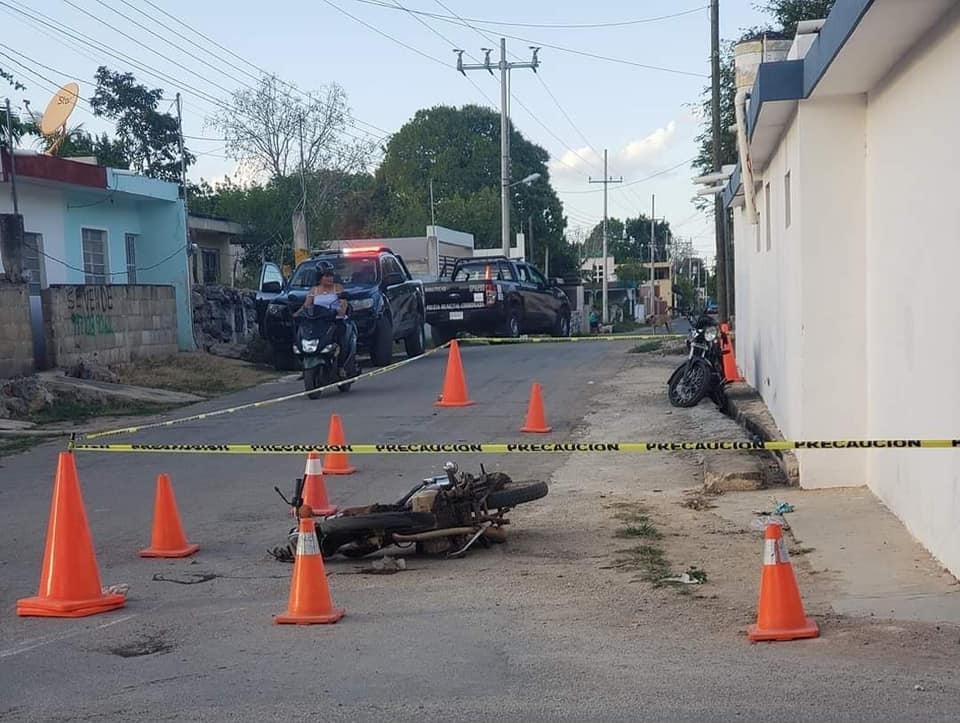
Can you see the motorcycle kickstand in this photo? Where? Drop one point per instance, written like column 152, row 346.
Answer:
column 462, row 551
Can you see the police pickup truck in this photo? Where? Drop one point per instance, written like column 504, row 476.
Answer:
column 495, row 295
column 386, row 303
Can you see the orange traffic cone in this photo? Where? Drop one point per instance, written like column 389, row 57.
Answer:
column 310, row 600
column 730, row 371
column 314, row 488
column 336, row 462
column 536, row 419
column 454, row 384
column 69, row 578
column 168, row 539
column 780, row 615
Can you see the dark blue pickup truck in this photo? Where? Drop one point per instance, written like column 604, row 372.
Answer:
column 496, row 296
column 386, row 303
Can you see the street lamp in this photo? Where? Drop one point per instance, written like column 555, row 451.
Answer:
column 526, row 181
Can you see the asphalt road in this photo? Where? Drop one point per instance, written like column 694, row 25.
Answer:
column 452, row 645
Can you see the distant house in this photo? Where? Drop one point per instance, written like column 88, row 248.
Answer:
column 90, row 225
column 427, row 256
column 217, row 249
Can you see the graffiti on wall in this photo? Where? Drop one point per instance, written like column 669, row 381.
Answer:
column 91, row 324
column 91, row 306
column 89, row 299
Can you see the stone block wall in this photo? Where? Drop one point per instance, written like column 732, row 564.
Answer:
column 113, row 323
column 223, row 315
column 16, row 339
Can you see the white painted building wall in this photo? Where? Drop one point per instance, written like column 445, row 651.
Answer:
column 846, row 323
column 912, row 263
column 43, row 213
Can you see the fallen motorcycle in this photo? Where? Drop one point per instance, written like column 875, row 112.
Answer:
column 446, row 514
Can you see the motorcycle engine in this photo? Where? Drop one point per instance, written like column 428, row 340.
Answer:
column 423, row 500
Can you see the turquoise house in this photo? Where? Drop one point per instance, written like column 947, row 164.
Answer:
column 87, row 224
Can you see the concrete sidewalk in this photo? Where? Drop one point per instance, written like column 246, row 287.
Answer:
column 873, row 566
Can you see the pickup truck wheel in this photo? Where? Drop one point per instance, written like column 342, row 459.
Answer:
column 381, row 347
column 512, row 327
column 441, row 334
column 561, row 327
column 415, row 342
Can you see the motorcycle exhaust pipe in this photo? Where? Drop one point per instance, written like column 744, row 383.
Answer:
column 448, row 532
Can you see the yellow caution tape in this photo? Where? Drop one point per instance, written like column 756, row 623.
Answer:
column 521, row 447
column 263, row 403
column 367, row 375
column 562, row 339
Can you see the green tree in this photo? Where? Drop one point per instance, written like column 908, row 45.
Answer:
column 785, row 15
column 149, row 139
column 264, row 210
column 630, row 240
column 459, row 149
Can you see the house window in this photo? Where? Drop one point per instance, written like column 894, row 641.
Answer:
column 766, row 213
column 131, row 243
column 211, row 266
column 786, row 200
column 33, row 260
column 94, row 256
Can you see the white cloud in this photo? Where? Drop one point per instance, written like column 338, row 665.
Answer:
column 645, row 150
column 637, row 157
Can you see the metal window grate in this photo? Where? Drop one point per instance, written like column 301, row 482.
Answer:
column 94, row 256
column 130, row 241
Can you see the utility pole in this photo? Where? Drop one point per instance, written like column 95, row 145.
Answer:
column 505, row 69
column 718, row 211
column 13, row 161
column 530, row 242
column 301, row 244
column 653, row 241
column 186, row 218
column 433, row 219
column 606, row 181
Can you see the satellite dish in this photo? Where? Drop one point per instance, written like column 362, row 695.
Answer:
column 59, row 109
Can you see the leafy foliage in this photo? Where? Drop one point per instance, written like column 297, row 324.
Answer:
column 264, row 125
column 147, row 139
column 459, row 149
column 785, row 15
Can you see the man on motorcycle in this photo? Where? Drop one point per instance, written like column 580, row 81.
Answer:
column 326, row 294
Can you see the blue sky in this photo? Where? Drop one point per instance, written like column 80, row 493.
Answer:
column 644, row 116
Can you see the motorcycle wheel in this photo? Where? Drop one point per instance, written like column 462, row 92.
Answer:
column 311, row 380
column 687, row 388
column 335, row 532
column 516, row 494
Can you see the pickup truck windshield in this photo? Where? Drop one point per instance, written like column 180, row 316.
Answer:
column 350, row 270
column 477, row 271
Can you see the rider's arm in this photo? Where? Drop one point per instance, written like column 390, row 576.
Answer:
column 342, row 302
column 309, row 299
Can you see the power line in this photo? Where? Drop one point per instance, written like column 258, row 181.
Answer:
column 195, row 57
column 241, row 58
column 211, row 100
column 639, row 180
column 170, row 43
column 447, row 40
column 147, row 47
column 487, row 38
column 552, row 26
column 623, row 61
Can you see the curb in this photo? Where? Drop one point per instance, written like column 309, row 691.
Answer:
column 747, row 408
